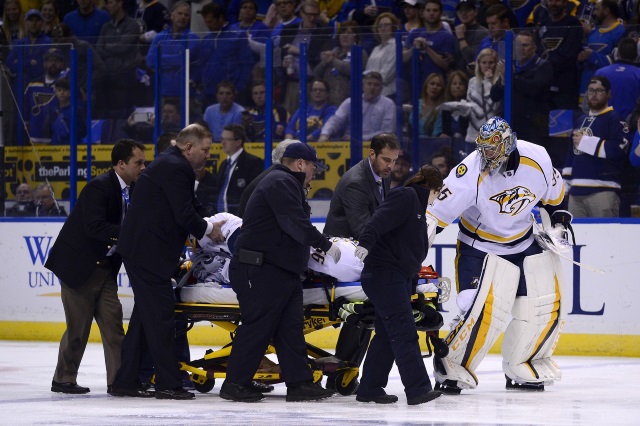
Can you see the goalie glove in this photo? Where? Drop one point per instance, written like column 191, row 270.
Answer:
column 554, row 234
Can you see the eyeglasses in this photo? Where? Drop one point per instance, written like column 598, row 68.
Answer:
column 318, row 89
column 596, row 91
column 23, row 191
column 385, row 25
column 309, row 162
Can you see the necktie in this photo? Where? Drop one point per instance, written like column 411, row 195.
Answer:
column 380, row 188
column 125, row 197
column 222, row 190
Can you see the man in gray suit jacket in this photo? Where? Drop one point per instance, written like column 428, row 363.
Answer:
column 358, row 193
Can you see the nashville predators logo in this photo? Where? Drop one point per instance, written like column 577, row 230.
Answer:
column 461, row 170
column 513, row 201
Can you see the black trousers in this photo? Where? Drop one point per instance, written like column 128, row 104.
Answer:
column 272, row 312
column 396, row 337
column 151, row 326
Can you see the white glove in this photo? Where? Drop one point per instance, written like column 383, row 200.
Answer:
column 361, row 253
column 334, row 252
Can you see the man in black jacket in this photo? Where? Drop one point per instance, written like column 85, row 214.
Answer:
column 83, row 258
column 270, row 254
column 161, row 215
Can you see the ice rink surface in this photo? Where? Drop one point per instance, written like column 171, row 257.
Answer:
column 593, row 391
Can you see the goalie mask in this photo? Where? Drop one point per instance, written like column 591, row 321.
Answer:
column 495, row 142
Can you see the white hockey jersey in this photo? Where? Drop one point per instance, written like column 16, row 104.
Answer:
column 495, row 210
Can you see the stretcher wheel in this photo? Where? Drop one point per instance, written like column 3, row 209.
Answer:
column 348, row 389
column 203, row 387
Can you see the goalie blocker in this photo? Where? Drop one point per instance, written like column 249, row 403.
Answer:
column 529, row 339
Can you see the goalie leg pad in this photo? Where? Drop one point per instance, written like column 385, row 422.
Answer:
column 474, row 332
column 538, row 318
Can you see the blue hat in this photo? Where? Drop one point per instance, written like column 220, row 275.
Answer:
column 305, row 152
column 33, row 12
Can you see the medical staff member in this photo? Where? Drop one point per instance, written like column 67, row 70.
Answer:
column 393, row 244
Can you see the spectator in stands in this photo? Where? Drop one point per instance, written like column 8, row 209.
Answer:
column 454, row 124
column 171, row 119
column 624, row 76
column 600, row 149
column 118, row 48
column 531, row 84
column 86, row 21
column 46, row 204
column 378, row 113
column 431, row 97
column 435, row 44
column 317, row 114
column 443, row 160
column 171, row 45
column 383, row 56
column 254, row 119
column 12, row 24
column 316, row 36
column 286, row 17
column 478, row 105
column 401, row 170
column 497, row 17
column 484, row 5
column 225, row 56
column 248, row 24
column 225, row 112
column 469, row 34
column 34, row 45
column 600, row 41
column 153, row 17
column 24, row 205
column 50, row 19
column 365, row 12
column 561, row 37
column 66, row 41
column 236, row 171
column 335, row 64
column 39, row 98
column 61, row 125
column 412, row 10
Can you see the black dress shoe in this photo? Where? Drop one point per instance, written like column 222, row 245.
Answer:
column 67, row 387
column 380, row 399
column 239, row 393
column 425, row 397
column 134, row 393
column 175, row 393
column 260, row 387
column 306, row 391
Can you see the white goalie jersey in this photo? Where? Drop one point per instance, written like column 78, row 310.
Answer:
column 495, row 210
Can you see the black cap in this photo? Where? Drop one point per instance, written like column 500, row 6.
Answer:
column 471, row 4
column 53, row 53
column 305, row 152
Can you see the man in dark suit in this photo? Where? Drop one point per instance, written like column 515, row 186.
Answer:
column 237, row 171
column 83, row 258
column 358, row 193
column 161, row 215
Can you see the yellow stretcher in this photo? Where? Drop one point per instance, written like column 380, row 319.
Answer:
column 212, row 366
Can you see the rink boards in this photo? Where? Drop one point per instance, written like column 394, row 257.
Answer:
column 602, row 309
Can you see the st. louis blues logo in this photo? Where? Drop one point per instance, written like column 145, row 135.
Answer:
column 513, row 201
